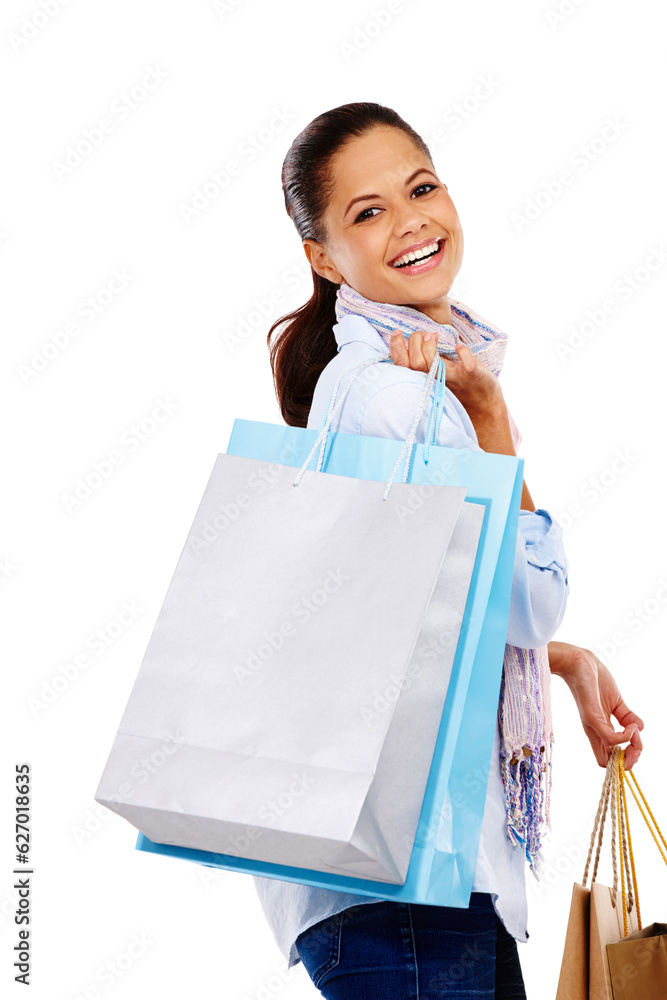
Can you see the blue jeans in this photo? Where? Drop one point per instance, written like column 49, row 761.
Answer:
column 413, row 951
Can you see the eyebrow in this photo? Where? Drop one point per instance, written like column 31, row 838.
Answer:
column 366, row 197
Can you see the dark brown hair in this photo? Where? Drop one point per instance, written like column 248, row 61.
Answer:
column 307, row 343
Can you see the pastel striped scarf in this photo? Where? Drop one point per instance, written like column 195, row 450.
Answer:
column 524, row 710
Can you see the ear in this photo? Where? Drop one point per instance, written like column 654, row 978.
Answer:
column 321, row 262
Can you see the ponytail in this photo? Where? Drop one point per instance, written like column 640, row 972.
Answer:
column 302, row 351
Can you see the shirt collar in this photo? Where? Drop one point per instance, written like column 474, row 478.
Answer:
column 351, row 328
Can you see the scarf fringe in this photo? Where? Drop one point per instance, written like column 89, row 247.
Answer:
column 526, row 750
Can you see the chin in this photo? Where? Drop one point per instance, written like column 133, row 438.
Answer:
column 423, row 290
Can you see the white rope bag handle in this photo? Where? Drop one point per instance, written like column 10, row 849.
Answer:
column 436, row 364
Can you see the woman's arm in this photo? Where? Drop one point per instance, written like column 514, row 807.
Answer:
column 597, row 698
column 474, row 385
column 492, row 428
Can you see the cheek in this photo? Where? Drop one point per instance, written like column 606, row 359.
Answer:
column 368, row 249
column 453, row 221
column 449, row 214
column 453, row 224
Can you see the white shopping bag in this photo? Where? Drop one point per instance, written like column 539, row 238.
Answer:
column 274, row 684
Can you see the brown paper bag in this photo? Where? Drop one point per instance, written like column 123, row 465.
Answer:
column 638, row 964
column 592, row 925
column 594, row 920
column 573, row 980
column 606, row 927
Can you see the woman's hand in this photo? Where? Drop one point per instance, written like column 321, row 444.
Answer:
column 473, row 384
column 598, row 698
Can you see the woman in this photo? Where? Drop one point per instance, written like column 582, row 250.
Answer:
column 385, row 244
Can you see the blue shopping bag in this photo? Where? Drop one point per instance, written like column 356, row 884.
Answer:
column 443, row 857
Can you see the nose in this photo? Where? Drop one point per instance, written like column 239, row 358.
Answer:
column 410, row 219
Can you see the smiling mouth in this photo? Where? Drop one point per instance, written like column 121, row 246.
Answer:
column 420, row 259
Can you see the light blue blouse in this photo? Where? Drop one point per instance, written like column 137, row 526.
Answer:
column 382, row 402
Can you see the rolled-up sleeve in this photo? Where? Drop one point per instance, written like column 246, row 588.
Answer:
column 540, row 585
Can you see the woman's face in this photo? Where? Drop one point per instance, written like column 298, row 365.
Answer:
column 386, row 198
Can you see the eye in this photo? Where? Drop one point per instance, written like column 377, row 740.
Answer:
column 420, row 186
column 360, row 217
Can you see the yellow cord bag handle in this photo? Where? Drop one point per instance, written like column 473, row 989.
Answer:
column 622, row 780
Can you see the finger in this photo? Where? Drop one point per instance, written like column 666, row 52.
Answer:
column 415, row 344
column 613, row 738
column 415, row 350
column 626, row 717
column 398, row 349
column 636, row 741
column 633, row 752
column 468, row 359
column 604, row 730
column 452, row 369
column 429, row 348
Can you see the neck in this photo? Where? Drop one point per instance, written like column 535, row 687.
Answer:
column 439, row 312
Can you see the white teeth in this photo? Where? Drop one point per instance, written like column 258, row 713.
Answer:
column 416, row 254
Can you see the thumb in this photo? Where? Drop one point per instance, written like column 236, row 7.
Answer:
column 468, row 359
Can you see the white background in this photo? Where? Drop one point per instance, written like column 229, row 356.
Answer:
column 66, row 573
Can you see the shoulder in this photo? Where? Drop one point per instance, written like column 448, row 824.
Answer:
column 358, row 341
column 390, row 408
